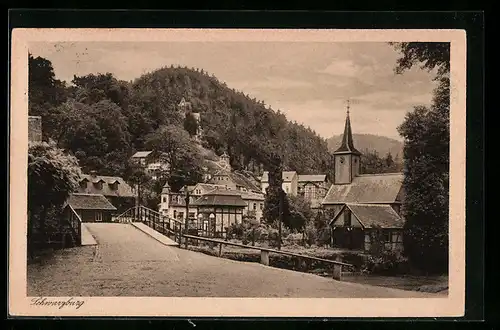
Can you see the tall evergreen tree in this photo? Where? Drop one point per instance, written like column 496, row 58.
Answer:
column 426, row 157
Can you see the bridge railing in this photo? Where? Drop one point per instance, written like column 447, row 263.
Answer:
column 337, row 268
column 157, row 221
column 75, row 224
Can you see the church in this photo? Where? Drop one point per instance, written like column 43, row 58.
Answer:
column 366, row 208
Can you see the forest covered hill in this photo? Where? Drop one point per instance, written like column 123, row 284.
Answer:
column 103, row 121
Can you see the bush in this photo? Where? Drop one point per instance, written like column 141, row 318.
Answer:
column 387, row 263
column 236, row 230
column 294, row 238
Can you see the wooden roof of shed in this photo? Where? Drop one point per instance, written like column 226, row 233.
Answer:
column 89, row 202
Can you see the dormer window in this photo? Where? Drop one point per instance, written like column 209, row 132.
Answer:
column 83, row 184
column 98, row 184
column 114, row 185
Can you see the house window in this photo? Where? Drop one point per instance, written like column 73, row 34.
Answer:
column 175, row 214
column 98, row 216
column 386, row 236
column 254, row 206
column 347, row 218
column 164, row 199
column 261, row 206
column 191, row 215
column 180, row 215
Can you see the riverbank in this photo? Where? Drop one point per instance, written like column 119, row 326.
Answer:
column 421, row 283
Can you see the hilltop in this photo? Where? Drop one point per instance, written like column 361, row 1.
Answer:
column 103, row 121
column 370, row 142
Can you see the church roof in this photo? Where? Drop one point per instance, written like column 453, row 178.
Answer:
column 367, row 188
column 347, row 145
column 374, row 215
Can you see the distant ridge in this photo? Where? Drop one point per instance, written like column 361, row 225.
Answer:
column 363, row 142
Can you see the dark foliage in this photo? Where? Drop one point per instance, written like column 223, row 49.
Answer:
column 426, row 155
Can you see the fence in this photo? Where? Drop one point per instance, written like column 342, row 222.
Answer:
column 264, row 254
column 157, row 221
column 65, row 233
column 173, row 227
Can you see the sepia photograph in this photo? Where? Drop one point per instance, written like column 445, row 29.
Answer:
column 229, row 164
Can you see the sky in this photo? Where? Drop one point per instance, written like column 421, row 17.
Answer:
column 308, row 81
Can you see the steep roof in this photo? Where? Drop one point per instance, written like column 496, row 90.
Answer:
column 90, row 202
column 242, row 180
column 238, row 179
column 287, row 176
column 367, row 188
column 347, row 145
column 221, row 197
column 252, row 195
column 141, row 154
column 123, row 189
column 205, row 186
column 312, row 177
column 374, row 215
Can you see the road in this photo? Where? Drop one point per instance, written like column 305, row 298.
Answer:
column 128, row 262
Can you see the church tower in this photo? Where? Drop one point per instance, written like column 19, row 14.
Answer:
column 165, row 198
column 346, row 157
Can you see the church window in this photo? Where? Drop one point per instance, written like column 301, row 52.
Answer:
column 164, row 199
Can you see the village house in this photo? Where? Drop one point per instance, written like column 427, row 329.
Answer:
column 363, row 204
column 151, row 163
column 118, row 192
column 313, row 187
column 173, row 205
column 290, row 182
column 91, row 207
column 217, row 210
column 249, row 190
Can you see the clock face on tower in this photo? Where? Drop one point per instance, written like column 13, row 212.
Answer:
column 342, row 159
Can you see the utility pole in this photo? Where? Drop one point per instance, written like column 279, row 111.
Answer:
column 187, row 216
column 281, row 199
column 280, row 216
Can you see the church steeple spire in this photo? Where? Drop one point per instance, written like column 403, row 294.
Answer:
column 347, row 145
column 346, row 157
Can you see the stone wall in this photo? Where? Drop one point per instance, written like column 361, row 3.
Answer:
column 34, row 129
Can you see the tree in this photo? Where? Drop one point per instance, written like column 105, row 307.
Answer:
column 98, row 130
column 52, row 176
column 191, row 124
column 371, row 163
column 300, row 213
column 389, row 161
column 92, row 89
column 426, row 158
column 274, row 192
column 177, row 150
column 44, row 89
column 45, row 92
